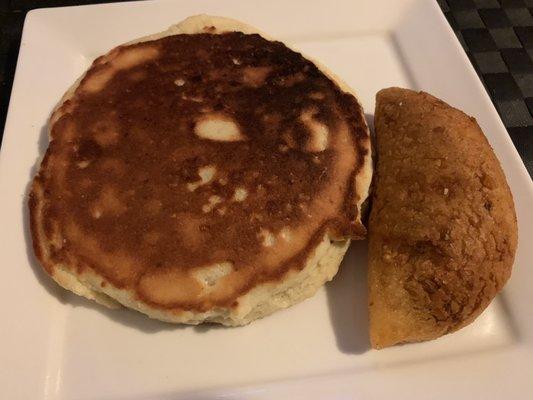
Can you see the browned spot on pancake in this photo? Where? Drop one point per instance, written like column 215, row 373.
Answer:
column 316, row 96
column 228, row 149
column 65, row 108
column 291, row 79
column 68, row 130
column 85, row 184
column 137, row 76
column 114, row 166
column 153, row 206
column 151, row 237
column 108, row 203
column 190, row 229
column 117, row 266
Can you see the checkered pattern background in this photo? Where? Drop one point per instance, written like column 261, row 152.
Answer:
column 498, row 38
column 496, row 34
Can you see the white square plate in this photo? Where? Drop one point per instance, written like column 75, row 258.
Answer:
column 55, row 345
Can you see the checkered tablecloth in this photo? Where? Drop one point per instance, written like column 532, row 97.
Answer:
column 496, row 34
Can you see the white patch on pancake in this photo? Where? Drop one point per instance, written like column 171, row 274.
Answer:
column 318, row 140
column 268, row 238
column 211, row 275
column 212, row 202
column 236, row 61
column 240, row 194
column 135, row 56
column 206, row 175
column 179, row 82
column 124, row 59
column 285, row 234
column 98, row 80
column 83, row 164
column 219, row 128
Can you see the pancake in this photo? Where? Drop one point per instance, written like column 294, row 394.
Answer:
column 201, row 174
column 442, row 230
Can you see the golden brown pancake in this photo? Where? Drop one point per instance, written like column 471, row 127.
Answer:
column 209, row 176
column 442, row 229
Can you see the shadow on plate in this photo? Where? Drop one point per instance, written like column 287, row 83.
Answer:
column 123, row 316
column 348, row 301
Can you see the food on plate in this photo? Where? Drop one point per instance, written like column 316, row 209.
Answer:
column 442, row 229
column 201, row 174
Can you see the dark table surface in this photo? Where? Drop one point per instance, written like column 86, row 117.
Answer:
column 496, row 34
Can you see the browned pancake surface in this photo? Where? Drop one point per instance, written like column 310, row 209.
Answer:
column 176, row 154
